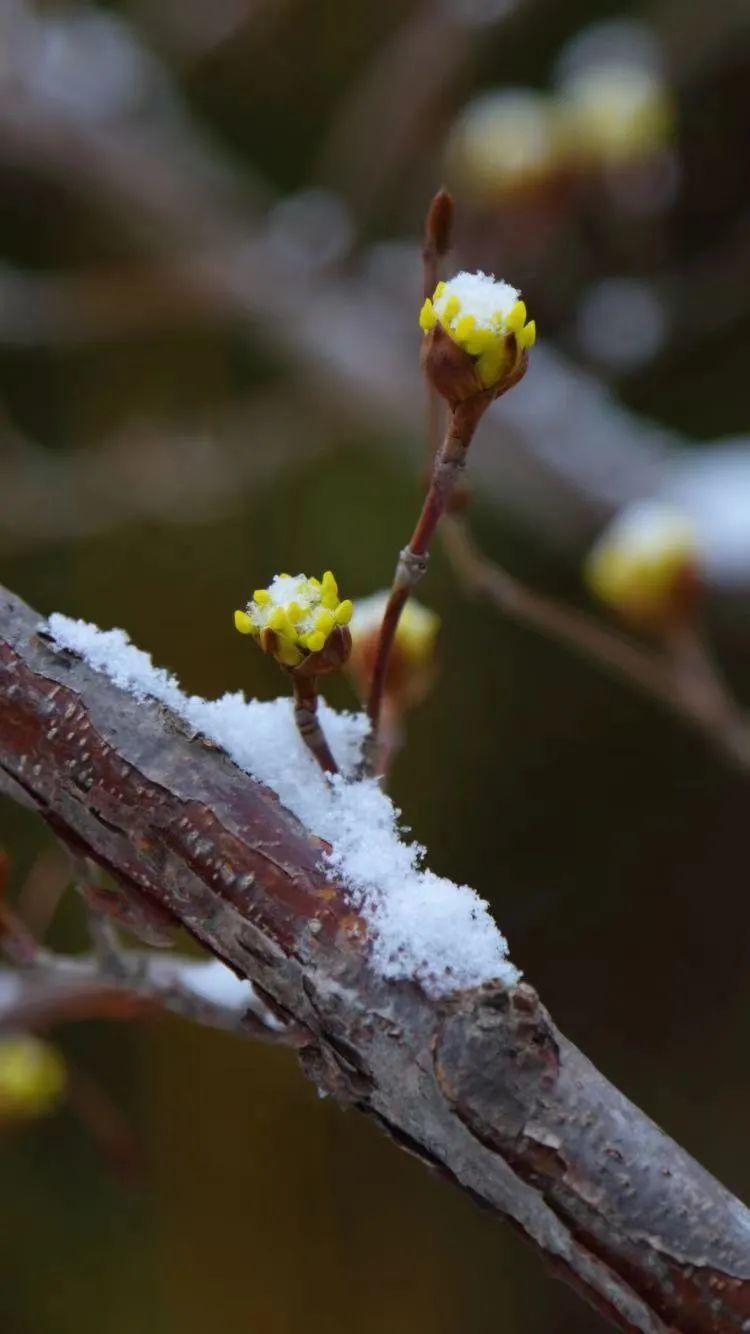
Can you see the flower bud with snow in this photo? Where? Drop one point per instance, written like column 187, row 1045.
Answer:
column 476, row 336
column 646, row 567
column 301, row 622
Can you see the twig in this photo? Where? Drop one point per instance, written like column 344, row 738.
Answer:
column 682, row 678
column 308, row 723
column 84, row 986
column 480, row 1084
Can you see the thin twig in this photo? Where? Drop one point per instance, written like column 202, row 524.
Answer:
column 308, row 723
column 682, row 677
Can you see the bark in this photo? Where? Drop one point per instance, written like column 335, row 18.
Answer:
column 480, row 1084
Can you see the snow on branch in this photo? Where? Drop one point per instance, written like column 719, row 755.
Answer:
column 423, row 926
column 470, row 1074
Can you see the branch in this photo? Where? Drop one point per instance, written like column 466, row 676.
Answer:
column 684, row 680
column 480, row 1084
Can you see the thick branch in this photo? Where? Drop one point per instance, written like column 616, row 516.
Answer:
column 480, row 1084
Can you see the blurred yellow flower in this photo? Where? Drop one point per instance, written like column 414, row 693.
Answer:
column 616, row 111
column 32, row 1078
column 411, row 667
column 646, row 565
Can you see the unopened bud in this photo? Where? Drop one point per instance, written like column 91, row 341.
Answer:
column 413, row 660
column 476, row 337
column 299, row 621
column 646, row 567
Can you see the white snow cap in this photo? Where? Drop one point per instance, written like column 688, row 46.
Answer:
column 479, row 295
column 423, row 927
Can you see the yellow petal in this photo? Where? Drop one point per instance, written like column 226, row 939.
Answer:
column 279, row 621
column 344, row 611
column 527, row 336
column 438, row 291
column 450, row 310
column 464, row 328
column 427, row 316
column 262, row 597
column 324, row 621
column 243, row 623
column 516, row 318
column 314, row 641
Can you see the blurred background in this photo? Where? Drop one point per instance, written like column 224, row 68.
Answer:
column 209, row 221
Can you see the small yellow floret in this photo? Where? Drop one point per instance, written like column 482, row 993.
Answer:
column 527, row 336
column 450, row 310
column 427, row 316
column 262, row 597
column 279, row 621
column 324, row 621
column 314, row 641
column 243, row 623
column 516, row 317
column 32, row 1077
column 344, row 612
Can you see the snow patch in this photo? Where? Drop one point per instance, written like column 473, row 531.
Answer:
column 423, row 927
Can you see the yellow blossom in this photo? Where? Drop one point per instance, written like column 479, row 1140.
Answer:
column 486, row 319
column 295, row 616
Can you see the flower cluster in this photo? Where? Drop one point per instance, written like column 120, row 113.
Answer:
column 646, row 566
column 486, row 319
column 295, row 618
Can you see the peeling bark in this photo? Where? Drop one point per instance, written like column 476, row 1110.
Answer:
column 480, row 1085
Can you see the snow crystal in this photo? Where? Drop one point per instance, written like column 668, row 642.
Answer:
column 479, row 295
column 423, row 927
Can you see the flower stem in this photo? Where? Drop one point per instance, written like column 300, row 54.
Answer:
column 412, row 562
column 308, row 723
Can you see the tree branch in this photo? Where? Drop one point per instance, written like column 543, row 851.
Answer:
column 480, row 1084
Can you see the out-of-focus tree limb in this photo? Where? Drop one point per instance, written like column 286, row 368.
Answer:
column 570, row 454
column 480, row 1084
column 146, row 472
column 680, row 674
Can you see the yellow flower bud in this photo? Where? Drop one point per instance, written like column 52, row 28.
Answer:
column 411, row 668
column 32, row 1078
column 646, row 566
column 475, row 335
column 299, row 621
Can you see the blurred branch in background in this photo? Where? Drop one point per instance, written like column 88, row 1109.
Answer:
column 563, row 452
column 147, row 472
column 678, row 673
